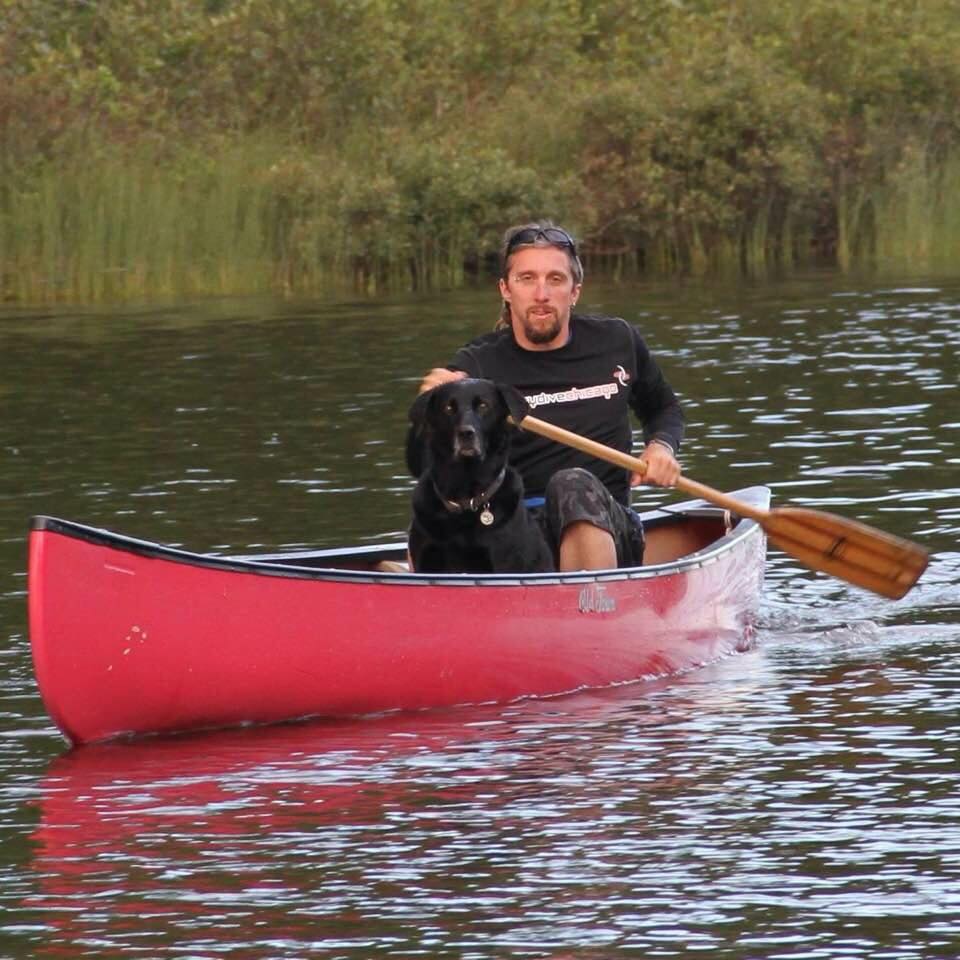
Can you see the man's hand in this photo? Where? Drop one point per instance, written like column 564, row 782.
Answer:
column 439, row 375
column 662, row 467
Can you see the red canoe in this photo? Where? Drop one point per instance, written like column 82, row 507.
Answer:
column 131, row 637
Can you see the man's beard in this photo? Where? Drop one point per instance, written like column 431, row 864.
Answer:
column 547, row 330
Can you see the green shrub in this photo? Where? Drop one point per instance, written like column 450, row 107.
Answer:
column 161, row 147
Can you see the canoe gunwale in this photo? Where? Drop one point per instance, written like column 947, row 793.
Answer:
column 280, row 565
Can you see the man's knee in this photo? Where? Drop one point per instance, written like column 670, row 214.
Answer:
column 577, row 498
column 574, row 483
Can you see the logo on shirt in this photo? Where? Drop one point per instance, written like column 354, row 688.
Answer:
column 621, row 375
column 605, row 390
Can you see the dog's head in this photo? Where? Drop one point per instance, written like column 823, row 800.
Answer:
column 464, row 421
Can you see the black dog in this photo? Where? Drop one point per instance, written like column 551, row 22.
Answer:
column 468, row 512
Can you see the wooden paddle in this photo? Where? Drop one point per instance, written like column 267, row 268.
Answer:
column 852, row 551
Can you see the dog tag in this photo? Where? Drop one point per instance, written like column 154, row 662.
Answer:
column 486, row 517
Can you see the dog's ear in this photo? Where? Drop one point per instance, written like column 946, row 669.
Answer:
column 417, row 434
column 515, row 402
column 418, row 409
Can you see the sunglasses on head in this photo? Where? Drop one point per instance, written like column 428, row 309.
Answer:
column 553, row 235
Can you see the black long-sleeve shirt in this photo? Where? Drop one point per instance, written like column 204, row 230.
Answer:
column 588, row 386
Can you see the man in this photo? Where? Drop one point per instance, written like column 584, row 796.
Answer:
column 582, row 373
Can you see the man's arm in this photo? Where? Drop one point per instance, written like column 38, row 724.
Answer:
column 463, row 364
column 438, row 375
column 654, row 402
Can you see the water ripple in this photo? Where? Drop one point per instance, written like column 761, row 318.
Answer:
column 797, row 801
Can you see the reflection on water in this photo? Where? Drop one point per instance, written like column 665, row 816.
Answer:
column 797, row 801
column 724, row 810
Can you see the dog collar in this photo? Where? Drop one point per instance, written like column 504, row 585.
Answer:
column 473, row 504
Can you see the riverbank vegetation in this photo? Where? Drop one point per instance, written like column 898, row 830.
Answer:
column 170, row 147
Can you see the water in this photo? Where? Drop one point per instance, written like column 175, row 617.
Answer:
column 798, row 801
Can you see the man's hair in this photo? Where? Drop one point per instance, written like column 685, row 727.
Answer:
column 509, row 247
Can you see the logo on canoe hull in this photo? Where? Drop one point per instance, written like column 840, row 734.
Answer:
column 594, row 599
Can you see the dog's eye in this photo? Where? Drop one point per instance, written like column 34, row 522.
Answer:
column 450, row 408
column 482, row 406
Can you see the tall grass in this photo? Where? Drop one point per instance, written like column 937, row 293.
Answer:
column 255, row 217
column 134, row 223
column 917, row 211
column 123, row 225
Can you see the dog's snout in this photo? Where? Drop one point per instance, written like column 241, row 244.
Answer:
column 467, row 441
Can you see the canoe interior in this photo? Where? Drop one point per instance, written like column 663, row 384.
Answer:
column 678, row 536
column 669, row 536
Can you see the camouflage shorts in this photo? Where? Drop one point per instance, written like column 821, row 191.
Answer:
column 576, row 494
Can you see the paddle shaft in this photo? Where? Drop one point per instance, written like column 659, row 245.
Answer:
column 636, row 465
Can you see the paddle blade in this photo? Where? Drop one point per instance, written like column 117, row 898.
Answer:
column 852, row 551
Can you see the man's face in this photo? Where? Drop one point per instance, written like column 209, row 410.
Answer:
column 540, row 290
